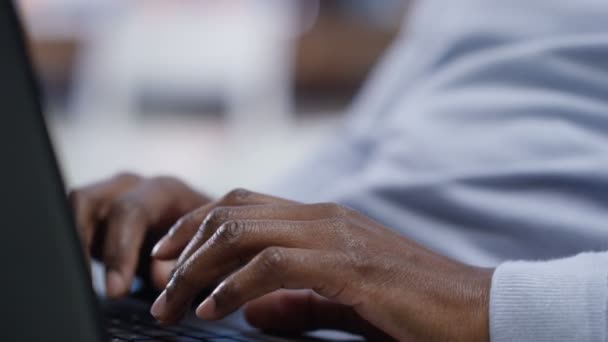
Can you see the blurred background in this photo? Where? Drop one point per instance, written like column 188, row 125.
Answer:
column 219, row 93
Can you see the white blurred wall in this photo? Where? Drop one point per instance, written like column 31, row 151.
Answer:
column 239, row 51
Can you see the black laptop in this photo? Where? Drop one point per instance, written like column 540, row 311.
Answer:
column 45, row 287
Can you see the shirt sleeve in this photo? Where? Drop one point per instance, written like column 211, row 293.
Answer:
column 558, row 300
column 499, row 151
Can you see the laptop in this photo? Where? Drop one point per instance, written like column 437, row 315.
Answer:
column 46, row 293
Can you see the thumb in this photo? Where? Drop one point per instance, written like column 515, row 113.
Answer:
column 300, row 311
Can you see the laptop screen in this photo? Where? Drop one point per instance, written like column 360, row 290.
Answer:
column 45, row 288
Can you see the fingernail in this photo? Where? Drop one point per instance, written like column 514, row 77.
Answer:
column 207, row 309
column 115, row 283
column 158, row 246
column 158, row 308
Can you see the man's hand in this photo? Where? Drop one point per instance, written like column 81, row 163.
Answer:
column 366, row 277
column 115, row 215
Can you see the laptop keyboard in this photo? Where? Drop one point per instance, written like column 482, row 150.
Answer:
column 142, row 328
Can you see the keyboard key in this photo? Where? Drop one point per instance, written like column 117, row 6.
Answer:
column 156, row 332
column 130, row 336
column 218, row 330
column 144, row 328
column 233, row 339
column 114, row 331
column 198, row 333
column 183, row 339
column 180, row 329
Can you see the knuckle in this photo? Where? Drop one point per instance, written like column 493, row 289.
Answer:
column 165, row 181
column 230, row 232
column 342, row 233
column 338, row 225
column 360, row 263
column 335, row 209
column 238, row 195
column 126, row 176
column 165, row 184
column 128, row 207
column 272, row 259
column 180, row 277
column 217, row 217
column 200, row 232
column 347, row 211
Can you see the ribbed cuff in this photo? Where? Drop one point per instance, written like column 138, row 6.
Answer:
column 558, row 300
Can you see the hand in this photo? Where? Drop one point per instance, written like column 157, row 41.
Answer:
column 362, row 271
column 114, row 217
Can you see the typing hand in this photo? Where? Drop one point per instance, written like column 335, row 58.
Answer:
column 365, row 277
column 115, row 215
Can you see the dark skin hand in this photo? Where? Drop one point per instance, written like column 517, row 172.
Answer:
column 360, row 276
column 114, row 217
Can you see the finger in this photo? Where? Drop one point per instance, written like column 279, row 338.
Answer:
column 174, row 243
column 181, row 233
column 89, row 204
column 190, row 279
column 160, row 272
column 126, row 230
column 222, row 215
column 300, row 311
column 277, row 268
column 129, row 219
column 232, row 245
column 85, row 211
column 178, row 236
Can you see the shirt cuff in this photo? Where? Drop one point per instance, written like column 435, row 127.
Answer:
column 557, row 300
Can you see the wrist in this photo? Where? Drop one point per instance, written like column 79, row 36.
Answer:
column 455, row 305
column 478, row 305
